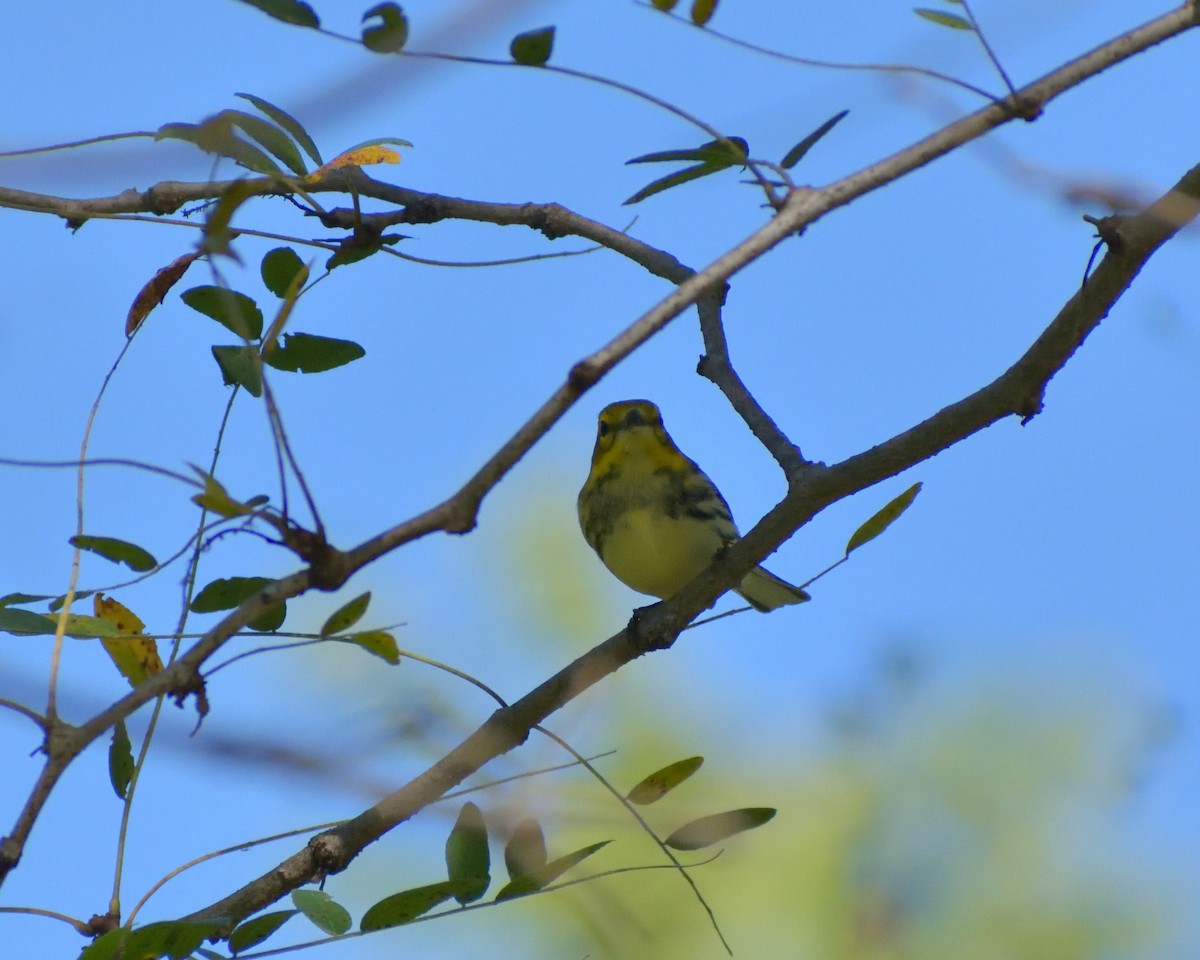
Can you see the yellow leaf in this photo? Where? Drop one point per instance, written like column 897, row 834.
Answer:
column 359, row 157
column 137, row 659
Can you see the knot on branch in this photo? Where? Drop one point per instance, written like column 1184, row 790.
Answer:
column 329, row 854
column 329, row 567
column 191, row 685
column 1023, row 107
column 653, row 628
column 551, row 219
column 102, row 923
column 582, row 376
column 1108, row 229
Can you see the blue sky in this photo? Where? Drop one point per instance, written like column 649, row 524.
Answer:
column 1060, row 556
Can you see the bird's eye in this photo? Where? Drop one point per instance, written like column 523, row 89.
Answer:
column 603, row 428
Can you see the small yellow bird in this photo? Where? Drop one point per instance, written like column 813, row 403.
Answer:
column 654, row 517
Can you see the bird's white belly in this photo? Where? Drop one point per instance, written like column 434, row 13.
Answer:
column 656, row 554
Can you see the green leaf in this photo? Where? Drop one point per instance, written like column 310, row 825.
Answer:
column 468, row 860
column 702, row 11
column 289, row 11
column 307, row 353
column 661, row 782
column 235, row 311
column 216, row 499
column 177, row 939
column 883, row 519
column 532, row 49
column 535, row 880
column 13, row 599
column 726, row 152
column 709, row 830
column 407, row 905
column 218, row 234
column 288, row 122
column 793, row 156
column 107, row 947
column 346, row 616
column 379, row 642
column 391, row 35
column 674, row 180
column 526, row 849
column 239, row 365
column 664, row 5
column 945, row 19
column 359, row 247
column 120, row 760
column 215, row 135
column 57, row 603
column 24, row 622
column 279, row 268
column 271, row 137
column 255, row 931
column 207, row 954
column 85, row 628
column 118, row 551
column 329, row 915
column 226, row 593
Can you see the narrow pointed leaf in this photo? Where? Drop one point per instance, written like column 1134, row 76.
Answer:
column 218, row 234
column 379, row 642
column 664, row 5
column 661, row 782
column 255, row 931
column 729, row 151
column 674, row 180
column 239, row 366
column 156, row 288
column 533, row 48
column 391, row 34
column 307, row 353
column 215, row 135
column 468, row 860
column 120, row 760
column 24, row 622
column 945, row 19
column 329, row 915
column 287, row 122
column 359, row 247
column 794, row 155
column 702, row 11
column 216, row 499
column 709, row 830
column 86, row 628
column 279, row 268
column 347, row 615
column 118, row 551
column 271, row 137
column 525, row 850
column 289, row 11
column 883, row 519
column 407, row 905
column 535, row 880
column 16, row 599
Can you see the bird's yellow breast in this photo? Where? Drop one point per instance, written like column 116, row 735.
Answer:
column 657, row 554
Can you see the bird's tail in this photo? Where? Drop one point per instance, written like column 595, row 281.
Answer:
column 764, row 591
